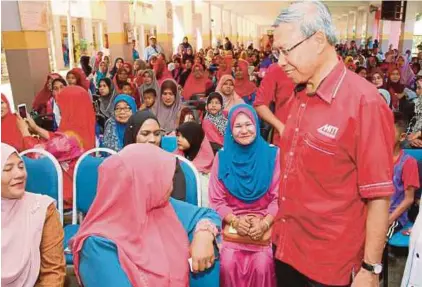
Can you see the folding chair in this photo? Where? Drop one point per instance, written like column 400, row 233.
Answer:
column 44, row 176
column 193, row 181
column 85, row 180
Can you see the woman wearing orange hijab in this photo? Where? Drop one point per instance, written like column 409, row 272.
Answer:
column 225, row 66
column 74, row 136
column 161, row 71
column 10, row 133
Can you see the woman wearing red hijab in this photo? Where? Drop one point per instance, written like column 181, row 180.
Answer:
column 129, row 69
column 161, row 71
column 10, row 133
column 40, row 102
column 77, row 77
column 123, row 77
column 197, row 82
column 243, row 85
column 225, row 66
column 74, row 136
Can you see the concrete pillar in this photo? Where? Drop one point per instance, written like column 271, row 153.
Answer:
column 164, row 21
column 57, row 38
column 407, row 28
column 216, row 15
column 370, row 22
column 117, row 41
column 359, row 27
column 26, row 47
column 235, row 30
column 203, row 8
column 87, row 34
column 227, row 29
column 351, row 26
column 188, row 12
column 100, row 35
column 385, row 35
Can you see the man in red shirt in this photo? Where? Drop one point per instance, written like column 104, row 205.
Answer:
column 277, row 87
column 336, row 161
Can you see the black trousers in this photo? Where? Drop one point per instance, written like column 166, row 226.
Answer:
column 287, row 276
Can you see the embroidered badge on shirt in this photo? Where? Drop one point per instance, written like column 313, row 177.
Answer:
column 328, row 131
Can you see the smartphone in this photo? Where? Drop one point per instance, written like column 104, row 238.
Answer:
column 22, row 111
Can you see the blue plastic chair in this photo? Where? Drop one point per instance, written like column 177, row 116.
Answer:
column 193, row 182
column 85, row 180
column 416, row 153
column 399, row 239
column 169, row 143
column 44, row 176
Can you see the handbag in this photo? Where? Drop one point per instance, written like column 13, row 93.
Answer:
column 230, row 235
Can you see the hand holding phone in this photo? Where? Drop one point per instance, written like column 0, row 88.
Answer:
column 22, row 111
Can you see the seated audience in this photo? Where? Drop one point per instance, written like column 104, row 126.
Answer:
column 405, row 179
column 247, row 207
column 407, row 76
column 52, row 108
column 124, row 106
column 10, row 133
column 143, row 127
column 118, row 63
column 362, row 71
column 106, row 98
column 168, row 106
column 161, row 72
column 74, row 136
column 214, row 123
column 31, row 231
column 102, row 73
column 194, row 146
column 186, row 72
column 148, row 82
column 77, row 77
column 110, row 250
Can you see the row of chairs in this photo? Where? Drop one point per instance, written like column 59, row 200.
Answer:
column 45, row 176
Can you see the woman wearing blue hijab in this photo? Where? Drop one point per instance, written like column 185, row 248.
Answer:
column 243, row 189
column 114, row 132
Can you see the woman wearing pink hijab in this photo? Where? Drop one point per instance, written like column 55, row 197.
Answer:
column 134, row 235
column 227, row 89
column 31, row 232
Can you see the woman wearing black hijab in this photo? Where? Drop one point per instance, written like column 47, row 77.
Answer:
column 118, row 63
column 86, row 67
column 143, row 127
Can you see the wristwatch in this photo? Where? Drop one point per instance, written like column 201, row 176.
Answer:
column 374, row 268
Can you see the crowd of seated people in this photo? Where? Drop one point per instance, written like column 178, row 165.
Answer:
column 207, row 101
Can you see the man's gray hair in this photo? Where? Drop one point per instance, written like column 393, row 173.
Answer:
column 313, row 16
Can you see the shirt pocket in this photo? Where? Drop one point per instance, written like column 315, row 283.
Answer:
column 319, row 156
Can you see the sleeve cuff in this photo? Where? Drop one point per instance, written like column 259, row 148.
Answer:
column 375, row 190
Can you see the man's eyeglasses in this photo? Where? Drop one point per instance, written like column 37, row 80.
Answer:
column 286, row 52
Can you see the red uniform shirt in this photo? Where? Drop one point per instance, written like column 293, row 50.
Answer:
column 336, row 150
column 277, row 87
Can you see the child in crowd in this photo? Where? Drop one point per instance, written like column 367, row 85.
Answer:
column 149, row 99
column 127, row 89
column 405, row 179
column 215, row 123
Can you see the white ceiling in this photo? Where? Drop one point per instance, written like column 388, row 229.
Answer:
column 265, row 12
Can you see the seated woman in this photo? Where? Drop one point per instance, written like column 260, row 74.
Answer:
column 148, row 82
column 74, row 136
column 40, row 102
column 110, row 250
column 143, row 127
column 400, row 97
column 106, row 98
column 215, row 123
column 230, row 98
column 168, row 106
column 114, row 132
column 243, row 86
column 197, row 82
column 31, row 232
column 193, row 145
column 122, row 78
column 247, row 206
column 161, row 72
column 10, row 133
column 52, row 108
column 77, row 77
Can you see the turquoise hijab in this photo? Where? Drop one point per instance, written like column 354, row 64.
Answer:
column 246, row 170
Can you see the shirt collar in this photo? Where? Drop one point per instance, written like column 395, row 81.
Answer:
column 329, row 87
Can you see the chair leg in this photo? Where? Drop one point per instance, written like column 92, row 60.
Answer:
column 385, row 272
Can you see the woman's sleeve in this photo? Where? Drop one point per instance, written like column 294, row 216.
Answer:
column 189, row 215
column 99, row 264
column 107, row 134
column 179, row 184
column 211, row 132
column 274, row 188
column 217, row 192
column 53, row 266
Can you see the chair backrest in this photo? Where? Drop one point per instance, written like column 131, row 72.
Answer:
column 45, row 176
column 169, row 143
column 85, row 180
column 193, row 181
column 417, row 154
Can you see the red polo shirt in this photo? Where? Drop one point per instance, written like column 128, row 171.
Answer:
column 336, row 151
column 277, row 87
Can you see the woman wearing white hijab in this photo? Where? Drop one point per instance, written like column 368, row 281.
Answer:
column 31, row 232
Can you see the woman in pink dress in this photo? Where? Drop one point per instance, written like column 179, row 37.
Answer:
column 243, row 189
